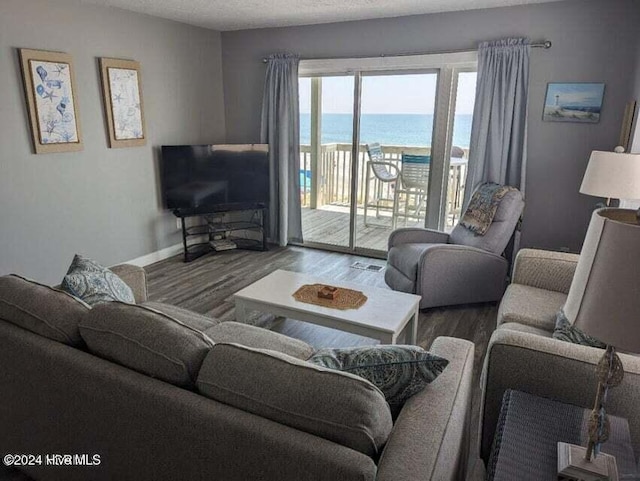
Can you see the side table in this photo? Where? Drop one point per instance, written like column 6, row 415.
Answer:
column 529, row 429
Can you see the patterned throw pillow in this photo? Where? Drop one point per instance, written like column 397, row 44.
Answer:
column 93, row 283
column 565, row 331
column 483, row 206
column 398, row 371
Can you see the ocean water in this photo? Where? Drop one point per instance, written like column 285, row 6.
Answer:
column 386, row 129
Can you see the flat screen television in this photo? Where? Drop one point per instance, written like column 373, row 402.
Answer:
column 215, row 178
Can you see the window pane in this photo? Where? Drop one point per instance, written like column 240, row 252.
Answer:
column 326, row 184
column 461, row 139
column 397, row 112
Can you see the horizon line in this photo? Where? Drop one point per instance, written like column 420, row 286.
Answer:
column 384, row 113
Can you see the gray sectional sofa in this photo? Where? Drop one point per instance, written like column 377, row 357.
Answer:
column 59, row 398
column 522, row 355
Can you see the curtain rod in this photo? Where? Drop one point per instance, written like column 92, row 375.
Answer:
column 545, row 44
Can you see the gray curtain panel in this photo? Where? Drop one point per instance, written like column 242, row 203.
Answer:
column 499, row 129
column 280, row 129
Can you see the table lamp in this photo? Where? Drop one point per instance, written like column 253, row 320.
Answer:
column 604, row 302
column 612, row 175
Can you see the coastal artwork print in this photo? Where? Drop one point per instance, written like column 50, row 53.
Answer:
column 573, row 102
column 52, row 106
column 123, row 102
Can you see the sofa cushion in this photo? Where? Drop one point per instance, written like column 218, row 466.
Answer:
column 47, row 311
column 148, row 341
column 565, row 331
column 398, row 371
column 337, row 406
column 259, row 338
column 93, row 283
column 184, row 315
column 514, row 326
column 530, row 306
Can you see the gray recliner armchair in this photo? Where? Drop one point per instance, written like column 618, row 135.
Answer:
column 457, row 268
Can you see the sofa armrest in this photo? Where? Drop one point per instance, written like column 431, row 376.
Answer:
column 553, row 369
column 417, row 235
column 429, row 439
column 455, row 274
column 135, row 277
column 548, row 270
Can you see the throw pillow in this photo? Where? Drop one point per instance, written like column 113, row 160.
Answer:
column 565, row 331
column 93, row 283
column 398, row 371
column 483, row 207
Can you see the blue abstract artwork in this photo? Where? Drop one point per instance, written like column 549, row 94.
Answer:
column 573, row 102
column 125, row 103
column 54, row 102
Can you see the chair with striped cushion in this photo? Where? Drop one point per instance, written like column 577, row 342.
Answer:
column 379, row 172
column 414, row 184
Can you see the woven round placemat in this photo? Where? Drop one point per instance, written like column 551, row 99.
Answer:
column 344, row 298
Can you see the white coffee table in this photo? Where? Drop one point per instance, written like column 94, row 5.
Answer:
column 384, row 316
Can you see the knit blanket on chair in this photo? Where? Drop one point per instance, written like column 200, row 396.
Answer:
column 483, row 206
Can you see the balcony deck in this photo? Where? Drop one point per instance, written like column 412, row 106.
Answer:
column 326, row 192
column 330, row 225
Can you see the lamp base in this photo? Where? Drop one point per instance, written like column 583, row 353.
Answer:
column 573, row 466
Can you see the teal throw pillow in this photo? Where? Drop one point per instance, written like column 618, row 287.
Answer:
column 93, row 283
column 398, row 371
column 565, row 331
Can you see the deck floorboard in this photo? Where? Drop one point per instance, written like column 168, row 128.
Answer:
column 331, row 226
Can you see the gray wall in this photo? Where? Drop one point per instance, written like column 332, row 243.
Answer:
column 593, row 41
column 101, row 202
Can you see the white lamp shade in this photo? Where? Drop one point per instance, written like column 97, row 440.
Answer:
column 612, row 175
column 604, row 298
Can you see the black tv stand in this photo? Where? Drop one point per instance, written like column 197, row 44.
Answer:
column 213, row 225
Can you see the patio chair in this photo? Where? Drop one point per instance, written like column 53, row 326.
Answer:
column 380, row 172
column 414, row 182
column 455, row 191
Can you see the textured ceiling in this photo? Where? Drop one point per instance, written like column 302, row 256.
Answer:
column 246, row 14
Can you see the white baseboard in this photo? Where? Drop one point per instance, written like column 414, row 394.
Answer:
column 156, row 256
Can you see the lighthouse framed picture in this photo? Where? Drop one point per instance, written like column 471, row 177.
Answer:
column 52, row 104
column 122, row 92
column 573, row 102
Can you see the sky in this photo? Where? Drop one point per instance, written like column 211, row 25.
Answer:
column 387, row 94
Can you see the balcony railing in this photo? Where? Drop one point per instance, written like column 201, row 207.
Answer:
column 333, row 173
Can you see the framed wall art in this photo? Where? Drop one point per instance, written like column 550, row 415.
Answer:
column 573, row 102
column 52, row 103
column 122, row 92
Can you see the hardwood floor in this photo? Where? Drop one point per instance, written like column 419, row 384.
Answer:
column 206, row 285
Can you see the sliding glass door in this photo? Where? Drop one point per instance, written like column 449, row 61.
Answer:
column 326, row 137
column 460, row 132
column 394, row 161
column 382, row 150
